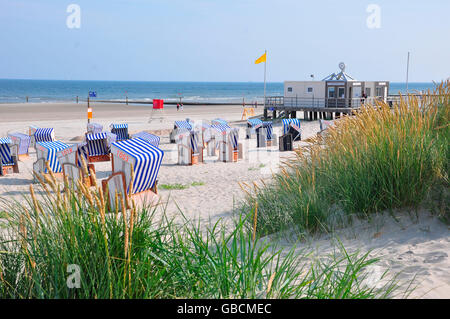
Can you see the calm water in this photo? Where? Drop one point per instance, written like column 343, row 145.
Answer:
column 216, row 92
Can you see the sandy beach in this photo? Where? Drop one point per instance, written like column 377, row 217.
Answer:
column 412, row 247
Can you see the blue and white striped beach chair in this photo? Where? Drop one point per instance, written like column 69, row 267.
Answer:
column 146, row 161
column 219, row 121
column 72, row 166
column 178, row 128
column 227, row 142
column 22, row 141
column 94, row 128
column 47, row 152
column 121, row 131
column 264, row 133
column 152, row 139
column 190, row 150
column 251, row 124
column 99, row 146
column 292, row 126
column 8, row 157
column 44, row 135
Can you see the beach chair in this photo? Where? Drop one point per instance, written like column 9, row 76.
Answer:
column 8, row 157
column 31, row 130
column 178, row 128
column 47, row 152
column 44, row 135
column 94, row 128
column 121, row 131
column 292, row 126
column 72, row 166
column 264, row 135
column 99, row 146
column 251, row 124
column 190, row 150
column 145, row 160
column 23, row 143
column 209, row 141
column 227, row 142
column 152, row 139
column 219, row 121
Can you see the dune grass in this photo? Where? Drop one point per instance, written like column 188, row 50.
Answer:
column 380, row 158
column 143, row 254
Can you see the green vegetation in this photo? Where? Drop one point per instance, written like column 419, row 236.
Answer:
column 176, row 186
column 197, row 184
column 141, row 255
column 380, row 158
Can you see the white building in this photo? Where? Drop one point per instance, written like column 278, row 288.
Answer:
column 336, row 90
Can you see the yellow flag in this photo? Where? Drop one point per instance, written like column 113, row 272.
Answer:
column 262, row 58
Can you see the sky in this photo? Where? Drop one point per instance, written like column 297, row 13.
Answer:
column 219, row 40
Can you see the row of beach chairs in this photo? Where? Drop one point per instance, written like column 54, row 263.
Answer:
column 218, row 138
column 139, row 153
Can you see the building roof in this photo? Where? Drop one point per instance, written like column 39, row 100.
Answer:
column 341, row 76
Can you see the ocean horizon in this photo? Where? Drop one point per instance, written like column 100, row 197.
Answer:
column 66, row 91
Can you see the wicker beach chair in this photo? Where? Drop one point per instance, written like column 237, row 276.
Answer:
column 144, row 160
column 121, row 131
column 152, row 139
column 292, row 126
column 99, row 146
column 251, row 124
column 23, row 143
column 47, row 152
column 190, row 148
column 94, row 128
column 9, row 154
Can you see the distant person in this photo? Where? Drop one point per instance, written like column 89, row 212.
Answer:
column 178, row 106
column 181, row 106
column 363, row 98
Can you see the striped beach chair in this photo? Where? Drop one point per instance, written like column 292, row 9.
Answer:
column 8, row 157
column 121, row 131
column 219, row 121
column 251, row 124
column 190, row 150
column 146, row 161
column 94, row 128
column 47, row 152
column 22, row 141
column 72, row 166
column 178, row 128
column 264, row 134
column 31, row 130
column 152, row 139
column 227, row 142
column 99, row 146
column 292, row 126
column 44, row 135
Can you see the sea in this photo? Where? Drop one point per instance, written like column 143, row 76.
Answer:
column 50, row 91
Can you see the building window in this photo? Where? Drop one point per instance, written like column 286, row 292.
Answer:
column 341, row 92
column 310, row 90
column 379, row 91
column 289, row 89
column 332, row 92
column 368, row 92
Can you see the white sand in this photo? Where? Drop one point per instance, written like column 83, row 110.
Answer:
column 416, row 248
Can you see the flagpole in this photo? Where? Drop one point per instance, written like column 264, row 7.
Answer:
column 265, row 63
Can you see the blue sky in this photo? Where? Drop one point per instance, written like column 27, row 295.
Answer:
column 218, row 40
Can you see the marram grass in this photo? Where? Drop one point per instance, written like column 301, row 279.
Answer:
column 143, row 254
column 380, row 158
